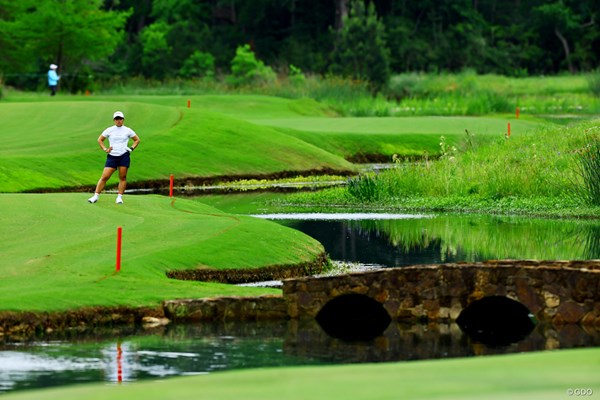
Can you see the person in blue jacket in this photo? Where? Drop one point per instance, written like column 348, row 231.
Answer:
column 53, row 79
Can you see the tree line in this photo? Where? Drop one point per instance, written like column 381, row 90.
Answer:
column 361, row 39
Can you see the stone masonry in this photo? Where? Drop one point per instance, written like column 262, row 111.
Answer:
column 559, row 292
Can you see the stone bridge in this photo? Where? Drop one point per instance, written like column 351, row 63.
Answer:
column 557, row 292
column 495, row 302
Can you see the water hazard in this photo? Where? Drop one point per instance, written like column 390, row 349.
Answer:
column 182, row 350
column 393, row 240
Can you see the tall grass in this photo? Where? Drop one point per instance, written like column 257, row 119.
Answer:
column 470, row 94
column 542, row 164
column 594, row 82
column 588, row 163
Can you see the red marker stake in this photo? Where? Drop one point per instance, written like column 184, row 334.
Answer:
column 171, row 186
column 509, row 129
column 518, row 112
column 119, row 363
column 119, row 237
column 189, row 103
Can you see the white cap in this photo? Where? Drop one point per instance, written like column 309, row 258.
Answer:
column 53, row 66
column 118, row 114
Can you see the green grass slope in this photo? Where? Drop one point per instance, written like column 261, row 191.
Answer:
column 58, row 251
column 244, row 106
column 50, row 145
column 543, row 375
column 405, row 136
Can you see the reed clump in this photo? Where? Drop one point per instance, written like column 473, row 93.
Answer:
column 588, row 167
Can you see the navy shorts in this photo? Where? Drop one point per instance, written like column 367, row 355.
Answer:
column 118, row 161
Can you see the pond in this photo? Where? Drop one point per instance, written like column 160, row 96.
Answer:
column 180, row 350
column 382, row 240
column 393, row 240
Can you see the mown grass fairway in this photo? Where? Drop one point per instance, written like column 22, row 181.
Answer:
column 543, row 375
column 404, row 136
column 55, row 146
column 58, row 251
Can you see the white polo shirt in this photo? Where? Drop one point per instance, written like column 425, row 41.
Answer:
column 118, row 138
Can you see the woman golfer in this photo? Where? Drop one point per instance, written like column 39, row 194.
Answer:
column 117, row 157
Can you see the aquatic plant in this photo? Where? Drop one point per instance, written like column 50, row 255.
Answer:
column 588, row 163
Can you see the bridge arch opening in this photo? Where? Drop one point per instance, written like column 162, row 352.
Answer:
column 496, row 321
column 354, row 317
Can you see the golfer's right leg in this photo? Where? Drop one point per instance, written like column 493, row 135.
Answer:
column 106, row 174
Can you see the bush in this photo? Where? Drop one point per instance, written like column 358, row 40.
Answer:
column 405, row 85
column 198, row 65
column 247, row 70
column 364, row 188
column 296, row 77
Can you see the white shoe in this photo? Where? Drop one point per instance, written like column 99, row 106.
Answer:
column 93, row 199
column 119, row 200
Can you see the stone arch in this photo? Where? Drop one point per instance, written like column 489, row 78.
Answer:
column 353, row 317
column 496, row 320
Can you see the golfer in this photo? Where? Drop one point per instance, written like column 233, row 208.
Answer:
column 53, row 79
column 117, row 157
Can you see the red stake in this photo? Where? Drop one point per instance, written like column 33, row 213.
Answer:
column 518, row 112
column 171, row 186
column 119, row 363
column 189, row 103
column 119, row 237
column 509, row 129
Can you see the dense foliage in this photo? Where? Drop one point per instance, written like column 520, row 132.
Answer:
column 102, row 40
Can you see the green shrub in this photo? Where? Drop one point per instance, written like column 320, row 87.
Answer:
column 247, row 70
column 198, row 65
column 296, row 77
column 405, row 85
column 364, row 188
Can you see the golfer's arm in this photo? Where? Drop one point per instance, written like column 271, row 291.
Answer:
column 136, row 141
column 101, row 140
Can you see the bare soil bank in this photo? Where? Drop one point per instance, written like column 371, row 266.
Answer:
column 162, row 185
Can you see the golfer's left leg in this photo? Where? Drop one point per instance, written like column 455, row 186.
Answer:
column 122, row 179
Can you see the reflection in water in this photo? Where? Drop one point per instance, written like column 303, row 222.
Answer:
column 592, row 243
column 496, row 321
column 427, row 341
column 354, row 317
column 451, row 238
column 204, row 348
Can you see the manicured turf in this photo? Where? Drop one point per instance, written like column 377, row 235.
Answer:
column 53, row 145
column 405, row 136
column 544, row 375
column 59, row 252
